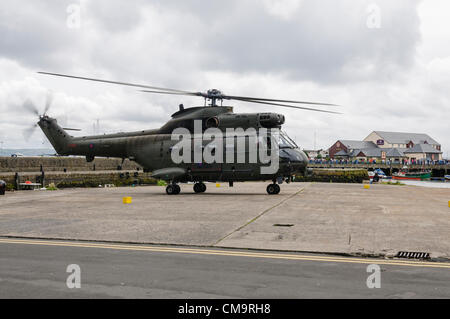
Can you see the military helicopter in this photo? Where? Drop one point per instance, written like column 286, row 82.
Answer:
column 152, row 149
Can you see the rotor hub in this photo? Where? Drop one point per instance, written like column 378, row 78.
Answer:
column 213, row 95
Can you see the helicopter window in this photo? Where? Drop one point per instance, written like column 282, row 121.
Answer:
column 212, row 122
column 290, row 140
column 285, row 142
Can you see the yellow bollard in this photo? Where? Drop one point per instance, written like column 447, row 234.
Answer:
column 217, row 185
column 366, row 186
column 127, row 200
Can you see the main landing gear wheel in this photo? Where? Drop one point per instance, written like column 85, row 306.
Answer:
column 173, row 189
column 273, row 189
column 199, row 187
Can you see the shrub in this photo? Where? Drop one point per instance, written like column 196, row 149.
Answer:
column 335, row 176
column 52, row 187
column 161, row 183
column 116, row 181
column 398, row 183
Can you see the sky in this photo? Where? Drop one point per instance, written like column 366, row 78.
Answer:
column 386, row 63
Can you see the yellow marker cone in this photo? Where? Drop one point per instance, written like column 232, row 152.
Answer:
column 127, row 200
column 217, row 185
column 366, row 186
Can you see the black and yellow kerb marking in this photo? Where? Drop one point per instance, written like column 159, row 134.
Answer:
column 221, row 252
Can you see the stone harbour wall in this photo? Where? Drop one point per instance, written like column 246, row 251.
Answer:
column 38, row 163
column 78, row 179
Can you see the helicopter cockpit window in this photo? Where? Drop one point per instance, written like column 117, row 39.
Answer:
column 286, row 142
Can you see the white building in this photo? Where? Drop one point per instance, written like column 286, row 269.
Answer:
column 393, row 146
column 400, row 140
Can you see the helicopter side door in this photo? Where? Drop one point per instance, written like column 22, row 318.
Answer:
column 237, row 164
column 199, row 166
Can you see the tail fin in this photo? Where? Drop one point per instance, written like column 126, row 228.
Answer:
column 57, row 136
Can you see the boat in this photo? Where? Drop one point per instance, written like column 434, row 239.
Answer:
column 380, row 173
column 416, row 176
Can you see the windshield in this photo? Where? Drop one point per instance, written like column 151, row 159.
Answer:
column 286, row 141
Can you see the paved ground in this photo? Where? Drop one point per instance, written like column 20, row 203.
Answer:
column 333, row 218
column 30, row 269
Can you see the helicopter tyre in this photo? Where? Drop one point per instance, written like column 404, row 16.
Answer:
column 173, row 189
column 273, row 189
column 199, row 187
column 277, row 188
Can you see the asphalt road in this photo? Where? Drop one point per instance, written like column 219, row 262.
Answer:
column 37, row 269
column 318, row 217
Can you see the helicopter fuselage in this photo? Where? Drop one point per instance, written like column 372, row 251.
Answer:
column 156, row 150
column 152, row 149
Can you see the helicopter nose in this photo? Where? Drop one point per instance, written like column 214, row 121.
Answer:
column 295, row 159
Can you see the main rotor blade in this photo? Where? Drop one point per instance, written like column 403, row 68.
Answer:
column 229, row 97
column 160, row 90
column 173, row 93
column 286, row 105
column 114, row 82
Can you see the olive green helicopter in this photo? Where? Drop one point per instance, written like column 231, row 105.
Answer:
column 153, row 149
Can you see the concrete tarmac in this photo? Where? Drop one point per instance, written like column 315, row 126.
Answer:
column 32, row 269
column 308, row 217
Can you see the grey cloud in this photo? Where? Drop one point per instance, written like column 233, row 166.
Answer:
column 325, row 41
column 115, row 15
column 317, row 43
column 33, row 33
column 321, row 51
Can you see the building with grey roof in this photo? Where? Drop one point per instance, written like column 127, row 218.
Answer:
column 393, row 146
column 422, row 148
column 350, row 144
column 403, row 140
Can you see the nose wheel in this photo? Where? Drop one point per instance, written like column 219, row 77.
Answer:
column 199, row 187
column 273, row 189
column 173, row 189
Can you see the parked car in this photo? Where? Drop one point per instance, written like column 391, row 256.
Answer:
column 16, row 155
column 2, row 187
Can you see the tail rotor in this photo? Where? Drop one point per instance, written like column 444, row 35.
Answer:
column 28, row 132
column 29, row 106
column 48, row 102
